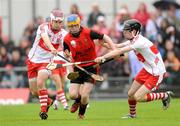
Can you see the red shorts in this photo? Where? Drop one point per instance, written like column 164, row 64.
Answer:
column 33, row 68
column 60, row 71
column 147, row 79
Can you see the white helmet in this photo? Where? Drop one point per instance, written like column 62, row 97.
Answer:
column 57, row 15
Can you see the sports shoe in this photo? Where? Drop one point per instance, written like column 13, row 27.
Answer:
column 66, row 107
column 129, row 116
column 166, row 101
column 50, row 102
column 56, row 105
column 81, row 116
column 74, row 107
column 43, row 115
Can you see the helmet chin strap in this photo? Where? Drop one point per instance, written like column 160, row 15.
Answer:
column 135, row 34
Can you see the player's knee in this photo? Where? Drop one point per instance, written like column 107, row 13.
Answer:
column 73, row 95
column 130, row 94
column 85, row 96
column 137, row 97
column 33, row 92
column 84, row 99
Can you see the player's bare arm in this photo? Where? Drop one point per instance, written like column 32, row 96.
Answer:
column 108, row 43
column 123, row 44
column 113, row 53
column 48, row 43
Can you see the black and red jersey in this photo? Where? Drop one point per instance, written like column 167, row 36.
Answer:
column 82, row 47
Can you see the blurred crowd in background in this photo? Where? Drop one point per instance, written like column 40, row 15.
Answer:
column 162, row 27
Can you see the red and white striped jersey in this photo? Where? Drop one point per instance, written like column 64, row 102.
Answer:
column 148, row 54
column 40, row 53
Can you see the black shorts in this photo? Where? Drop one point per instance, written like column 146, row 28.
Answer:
column 83, row 77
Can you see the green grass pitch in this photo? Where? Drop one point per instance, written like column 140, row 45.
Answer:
column 100, row 113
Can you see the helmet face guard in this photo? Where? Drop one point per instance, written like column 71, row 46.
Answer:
column 73, row 20
column 57, row 15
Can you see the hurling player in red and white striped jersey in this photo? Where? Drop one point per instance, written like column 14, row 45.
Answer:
column 49, row 37
column 150, row 76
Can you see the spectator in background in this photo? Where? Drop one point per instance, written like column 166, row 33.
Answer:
column 24, row 44
column 100, row 26
column 75, row 10
column 178, row 14
column 17, row 61
column 124, row 6
column 29, row 31
column 39, row 20
column 172, row 18
column 173, row 68
column 31, row 28
column 151, row 28
column 0, row 27
column 4, row 56
column 163, row 33
column 142, row 15
column 8, row 44
column 121, row 16
column 169, row 46
column 168, row 31
column 92, row 18
column 159, row 16
column 152, row 31
column 9, row 78
column 172, row 61
column 114, row 33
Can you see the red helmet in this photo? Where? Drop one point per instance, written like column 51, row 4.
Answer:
column 57, row 15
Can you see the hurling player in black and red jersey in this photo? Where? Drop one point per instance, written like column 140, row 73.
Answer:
column 79, row 45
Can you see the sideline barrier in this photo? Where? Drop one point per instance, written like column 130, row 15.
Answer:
column 17, row 96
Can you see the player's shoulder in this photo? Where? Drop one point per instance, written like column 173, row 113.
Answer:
column 86, row 30
column 67, row 37
column 141, row 40
column 138, row 42
column 43, row 25
column 145, row 41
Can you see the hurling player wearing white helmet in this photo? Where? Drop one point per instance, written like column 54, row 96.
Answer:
column 48, row 41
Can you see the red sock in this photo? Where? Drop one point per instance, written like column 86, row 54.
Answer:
column 132, row 106
column 61, row 97
column 43, row 99
column 49, row 102
column 156, row 96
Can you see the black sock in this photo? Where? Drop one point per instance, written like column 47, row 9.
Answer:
column 77, row 100
column 82, row 109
